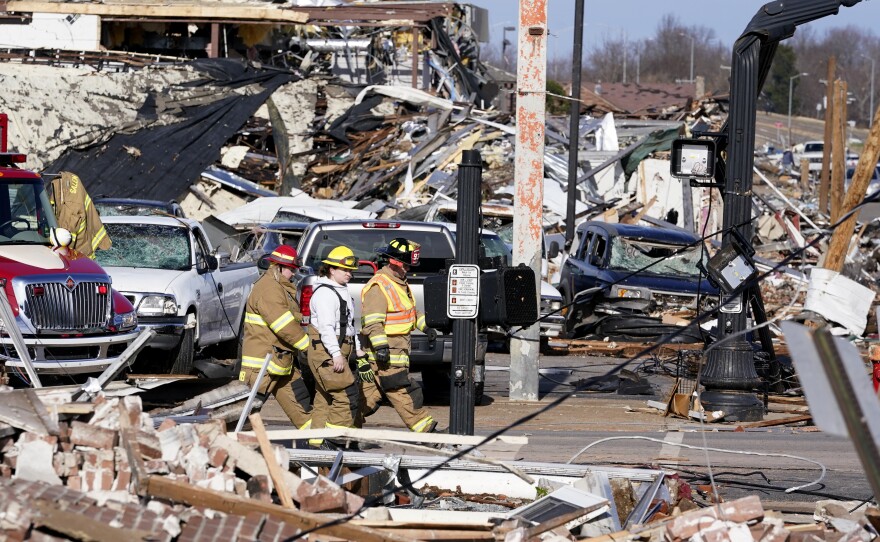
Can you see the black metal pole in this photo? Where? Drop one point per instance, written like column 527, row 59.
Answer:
column 574, row 119
column 464, row 330
column 729, row 375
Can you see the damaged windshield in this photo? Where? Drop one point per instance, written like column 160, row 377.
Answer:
column 147, row 245
column 635, row 254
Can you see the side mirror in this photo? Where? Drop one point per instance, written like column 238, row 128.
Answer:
column 596, row 260
column 553, row 251
column 223, row 259
column 212, row 262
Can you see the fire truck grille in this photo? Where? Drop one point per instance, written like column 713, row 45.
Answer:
column 54, row 306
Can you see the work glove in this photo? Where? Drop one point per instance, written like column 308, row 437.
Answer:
column 431, row 333
column 383, row 355
column 365, row 370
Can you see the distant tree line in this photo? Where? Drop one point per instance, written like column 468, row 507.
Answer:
column 666, row 58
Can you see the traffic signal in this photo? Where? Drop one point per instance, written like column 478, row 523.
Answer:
column 508, row 297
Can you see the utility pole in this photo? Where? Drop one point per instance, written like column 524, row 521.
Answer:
column 790, row 93
column 871, row 112
column 825, row 175
column 531, row 81
column 574, row 120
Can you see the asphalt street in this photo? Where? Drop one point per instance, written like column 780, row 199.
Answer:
column 558, row 434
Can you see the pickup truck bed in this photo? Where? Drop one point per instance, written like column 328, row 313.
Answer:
column 364, row 238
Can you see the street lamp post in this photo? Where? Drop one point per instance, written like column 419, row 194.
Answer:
column 871, row 112
column 790, row 92
column 691, row 79
column 505, row 43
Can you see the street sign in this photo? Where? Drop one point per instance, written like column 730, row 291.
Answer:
column 463, row 291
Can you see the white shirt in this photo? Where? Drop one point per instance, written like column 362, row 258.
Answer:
column 324, row 307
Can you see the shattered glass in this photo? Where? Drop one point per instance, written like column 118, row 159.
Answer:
column 635, row 254
column 151, row 246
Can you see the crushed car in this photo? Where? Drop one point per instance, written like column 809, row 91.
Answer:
column 622, row 278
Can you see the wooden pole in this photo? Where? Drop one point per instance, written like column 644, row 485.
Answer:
column 805, row 176
column 825, row 177
column 842, row 235
column 838, row 150
column 271, row 462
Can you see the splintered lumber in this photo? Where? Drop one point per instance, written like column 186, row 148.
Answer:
column 628, row 349
column 840, row 239
column 181, row 492
column 178, row 11
column 780, row 421
column 271, row 463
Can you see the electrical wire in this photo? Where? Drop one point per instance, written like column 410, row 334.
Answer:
column 817, row 481
column 614, row 369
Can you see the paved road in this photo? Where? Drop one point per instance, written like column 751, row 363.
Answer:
column 557, row 434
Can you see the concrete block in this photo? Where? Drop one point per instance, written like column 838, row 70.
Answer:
column 35, row 463
column 83, row 434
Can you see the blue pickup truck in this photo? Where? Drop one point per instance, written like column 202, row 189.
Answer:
column 605, row 278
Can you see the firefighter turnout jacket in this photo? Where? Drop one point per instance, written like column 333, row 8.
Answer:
column 74, row 211
column 272, row 325
column 389, row 315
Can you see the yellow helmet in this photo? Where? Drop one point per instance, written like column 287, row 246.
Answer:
column 343, row 257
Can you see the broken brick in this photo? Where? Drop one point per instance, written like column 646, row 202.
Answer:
column 166, row 424
column 92, row 436
column 738, row 511
column 217, row 456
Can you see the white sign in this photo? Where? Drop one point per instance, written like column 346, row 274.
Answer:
column 463, row 291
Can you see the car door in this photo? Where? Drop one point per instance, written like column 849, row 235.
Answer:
column 207, row 294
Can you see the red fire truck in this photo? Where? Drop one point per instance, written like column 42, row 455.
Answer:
column 72, row 320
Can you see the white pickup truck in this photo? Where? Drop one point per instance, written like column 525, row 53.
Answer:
column 178, row 283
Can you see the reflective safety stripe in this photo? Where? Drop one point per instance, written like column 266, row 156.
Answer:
column 316, row 441
column 334, row 426
column 252, row 362
column 303, row 343
column 256, row 319
column 96, row 240
column 379, row 340
column 373, row 318
column 420, row 323
column 282, row 321
column 306, row 425
column 88, row 201
column 276, row 369
column 423, row 424
column 396, row 359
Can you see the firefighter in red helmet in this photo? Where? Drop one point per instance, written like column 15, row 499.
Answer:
column 272, row 326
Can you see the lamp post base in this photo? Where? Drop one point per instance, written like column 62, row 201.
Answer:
column 737, row 406
column 729, row 377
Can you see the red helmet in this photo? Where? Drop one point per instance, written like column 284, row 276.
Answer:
column 284, row 255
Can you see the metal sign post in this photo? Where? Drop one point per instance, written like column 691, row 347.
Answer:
column 463, row 303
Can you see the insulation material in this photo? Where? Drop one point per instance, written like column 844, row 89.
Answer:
column 839, row 299
column 654, row 180
column 606, row 135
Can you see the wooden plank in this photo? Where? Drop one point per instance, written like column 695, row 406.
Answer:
column 80, row 527
column 271, row 462
column 74, row 408
column 177, row 11
column 181, row 492
column 385, row 434
column 781, row 421
column 23, row 409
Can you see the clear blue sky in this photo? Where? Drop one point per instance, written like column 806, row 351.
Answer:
column 639, row 17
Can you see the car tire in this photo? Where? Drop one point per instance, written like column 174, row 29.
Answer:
column 184, row 353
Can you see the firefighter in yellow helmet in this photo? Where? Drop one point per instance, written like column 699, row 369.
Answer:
column 272, row 326
column 333, row 341
column 389, row 315
column 75, row 212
